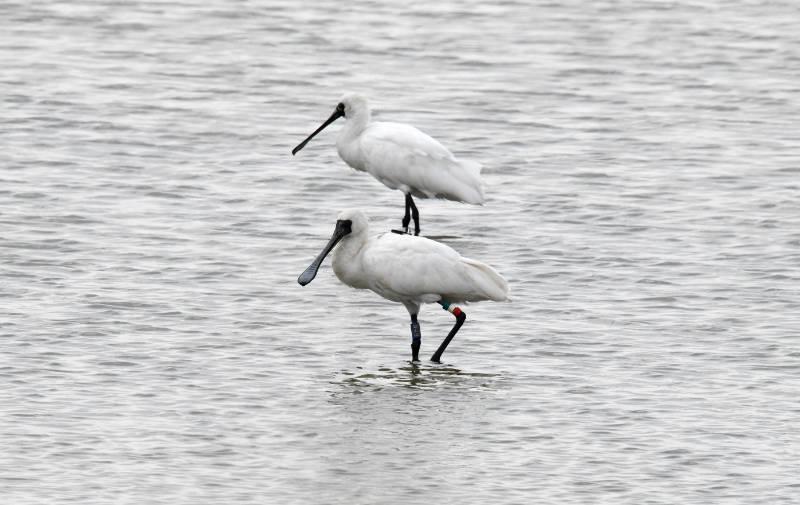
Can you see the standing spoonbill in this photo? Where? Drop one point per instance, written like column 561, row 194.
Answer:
column 401, row 157
column 406, row 269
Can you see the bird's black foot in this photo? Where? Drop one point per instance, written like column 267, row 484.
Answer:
column 402, row 232
column 460, row 318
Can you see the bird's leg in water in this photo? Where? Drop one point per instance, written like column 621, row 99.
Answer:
column 416, row 338
column 460, row 318
column 414, row 213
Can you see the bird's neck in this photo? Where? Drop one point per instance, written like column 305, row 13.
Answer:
column 347, row 143
column 347, row 259
column 355, row 124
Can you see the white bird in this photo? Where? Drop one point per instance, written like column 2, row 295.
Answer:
column 402, row 157
column 407, row 269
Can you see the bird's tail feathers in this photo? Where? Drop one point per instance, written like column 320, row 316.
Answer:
column 472, row 177
column 491, row 284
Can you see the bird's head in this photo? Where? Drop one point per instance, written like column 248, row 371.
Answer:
column 349, row 222
column 352, row 106
column 359, row 222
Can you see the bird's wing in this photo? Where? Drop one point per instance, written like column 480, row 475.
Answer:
column 406, row 266
column 409, row 267
column 405, row 158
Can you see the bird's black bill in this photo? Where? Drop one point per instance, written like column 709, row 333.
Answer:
column 339, row 112
column 342, row 229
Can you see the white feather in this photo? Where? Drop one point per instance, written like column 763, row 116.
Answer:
column 404, row 158
column 412, row 270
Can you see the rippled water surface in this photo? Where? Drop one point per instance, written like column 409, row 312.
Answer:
column 642, row 162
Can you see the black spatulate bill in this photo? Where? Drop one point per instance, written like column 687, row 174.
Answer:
column 339, row 112
column 343, row 227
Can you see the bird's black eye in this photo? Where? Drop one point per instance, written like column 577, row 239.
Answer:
column 340, row 108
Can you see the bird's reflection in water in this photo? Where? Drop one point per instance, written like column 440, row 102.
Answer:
column 413, row 376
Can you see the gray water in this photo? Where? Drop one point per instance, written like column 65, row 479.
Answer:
column 642, row 162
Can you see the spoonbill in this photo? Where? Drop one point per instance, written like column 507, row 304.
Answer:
column 407, row 269
column 401, row 157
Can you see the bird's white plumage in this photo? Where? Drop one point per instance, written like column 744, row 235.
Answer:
column 404, row 158
column 411, row 270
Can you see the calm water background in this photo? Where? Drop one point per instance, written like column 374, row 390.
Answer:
column 642, row 160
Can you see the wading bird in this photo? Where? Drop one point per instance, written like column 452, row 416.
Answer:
column 406, row 269
column 402, row 157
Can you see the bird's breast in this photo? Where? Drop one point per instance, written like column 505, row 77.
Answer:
column 350, row 152
column 347, row 266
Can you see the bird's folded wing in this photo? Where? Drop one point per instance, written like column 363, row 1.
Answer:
column 403, row 157
column 414, row 267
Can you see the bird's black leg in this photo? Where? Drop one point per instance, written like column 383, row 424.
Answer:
column 414, row 213
column 416, row 338
column 460, row 318
column 407, row 217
